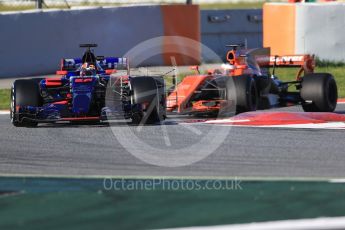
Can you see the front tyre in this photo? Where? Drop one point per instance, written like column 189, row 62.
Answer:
column 319, row 92
column 148, row 95
column 24, row 93
column 242, row 89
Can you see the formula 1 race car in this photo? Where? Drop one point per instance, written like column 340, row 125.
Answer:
column 245, row 84
column 87, row 91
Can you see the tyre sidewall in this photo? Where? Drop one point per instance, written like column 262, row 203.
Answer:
column 318, row 89
column 146, row 86
column 246, row 93
column 24, row 93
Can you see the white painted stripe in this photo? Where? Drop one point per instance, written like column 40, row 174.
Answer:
column 326, row 125
column 149, row 177
column 4, row 112
column 226, row 120
column 303, row 224
column 339, row 180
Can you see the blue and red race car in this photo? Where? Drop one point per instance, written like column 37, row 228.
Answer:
column 88, row 92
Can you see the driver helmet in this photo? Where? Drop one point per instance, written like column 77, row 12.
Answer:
column 87, row 70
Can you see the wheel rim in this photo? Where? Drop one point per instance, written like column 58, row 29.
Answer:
column 12, row 109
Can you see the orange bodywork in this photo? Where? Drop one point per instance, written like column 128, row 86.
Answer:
column 238, row 70
column 239, row 63
column 181, row 99
column 181, row 95
column 204, row 106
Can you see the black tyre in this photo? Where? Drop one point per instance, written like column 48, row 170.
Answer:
column 92, row 122
column 319, row 93
column 161, row 98
column 242, row 89
column 147, row 92
column 24, row 93
column 37, row 80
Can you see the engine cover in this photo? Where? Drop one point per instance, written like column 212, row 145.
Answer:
column 81, row 89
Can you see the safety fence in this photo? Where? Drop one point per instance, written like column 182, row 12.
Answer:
column 15, row 5
column 35, row 41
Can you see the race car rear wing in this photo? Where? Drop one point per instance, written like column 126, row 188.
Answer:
column 103, row 64
column 241, row 58
column 305, row 62
column 286, row 60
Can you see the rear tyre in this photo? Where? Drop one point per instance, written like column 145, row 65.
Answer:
column 149, row 96
column 319, row 93
column 242, row 89
column 24, row 93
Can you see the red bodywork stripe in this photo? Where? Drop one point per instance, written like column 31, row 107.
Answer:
column 53, row 82
column 61, row 72
column 110, row 71
column 60, row 103
column 82, row 80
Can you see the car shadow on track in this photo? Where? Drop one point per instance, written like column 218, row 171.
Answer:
column 101, row 124
column 171, row 120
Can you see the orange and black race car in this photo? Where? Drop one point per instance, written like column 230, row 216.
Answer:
column 245, row 84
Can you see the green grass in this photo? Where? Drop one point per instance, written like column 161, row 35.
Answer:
column 15, row 8
column 20, row 7
column 5, row 98
column 239, row 5
column 288, row 74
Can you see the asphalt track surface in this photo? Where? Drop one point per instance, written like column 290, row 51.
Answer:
column 251, row 152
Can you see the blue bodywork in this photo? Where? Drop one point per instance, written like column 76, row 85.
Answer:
column 73, row 96
column 71, row 64
column 81, row 94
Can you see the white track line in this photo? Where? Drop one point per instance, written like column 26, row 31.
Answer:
column 150, row 177
column 327, row 125
column 222, row 121
column 302, row 224
column 338, row 180
column 4, row 112
column 237, row 123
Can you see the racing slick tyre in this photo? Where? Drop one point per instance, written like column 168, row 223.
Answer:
column 319, row 92
column 242, row 89
column 149, row 95
column 24, row 93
